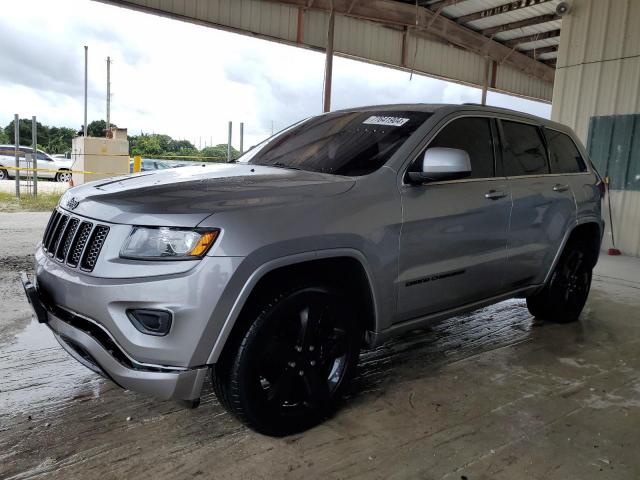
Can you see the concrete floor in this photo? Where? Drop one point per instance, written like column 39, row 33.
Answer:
column 488, row 395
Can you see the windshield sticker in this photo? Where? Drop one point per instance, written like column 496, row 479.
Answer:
column 388, row 121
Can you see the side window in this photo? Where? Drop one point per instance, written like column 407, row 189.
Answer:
column 564, row 156
column 523, row 150
column 473, row 135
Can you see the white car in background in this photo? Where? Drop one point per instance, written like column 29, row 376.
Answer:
column 58, row 169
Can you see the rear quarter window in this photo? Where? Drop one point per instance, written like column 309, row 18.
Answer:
column 523, row 150
column 564, row 156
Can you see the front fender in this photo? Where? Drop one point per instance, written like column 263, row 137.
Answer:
column 258, row 273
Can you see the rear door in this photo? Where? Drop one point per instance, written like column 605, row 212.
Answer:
column 454, row 233
column 543, row 203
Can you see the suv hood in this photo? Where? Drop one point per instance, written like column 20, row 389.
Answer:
column 185, row 196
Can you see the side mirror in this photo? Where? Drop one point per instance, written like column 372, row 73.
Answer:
column 440, row 164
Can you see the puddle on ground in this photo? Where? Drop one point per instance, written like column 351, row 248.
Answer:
column 37, row 373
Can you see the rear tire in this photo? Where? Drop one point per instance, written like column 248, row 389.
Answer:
column 289, row 370
column 64, row 176
column 4, row 175
column 565, row 294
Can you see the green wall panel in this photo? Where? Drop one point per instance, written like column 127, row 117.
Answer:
column 614, row 148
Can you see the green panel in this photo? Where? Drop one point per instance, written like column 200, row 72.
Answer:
column 614, row 148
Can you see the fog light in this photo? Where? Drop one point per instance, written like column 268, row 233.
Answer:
column 151, row 322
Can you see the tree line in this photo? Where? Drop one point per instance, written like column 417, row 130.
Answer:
column 56, row 140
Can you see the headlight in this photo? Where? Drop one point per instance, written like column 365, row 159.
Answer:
column 166, row 243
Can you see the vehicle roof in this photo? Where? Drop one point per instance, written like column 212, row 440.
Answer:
column 452, row 107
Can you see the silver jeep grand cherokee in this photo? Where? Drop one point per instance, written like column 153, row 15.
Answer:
column 343, row 230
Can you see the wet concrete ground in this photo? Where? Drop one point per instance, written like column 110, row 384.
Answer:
column 488, row 395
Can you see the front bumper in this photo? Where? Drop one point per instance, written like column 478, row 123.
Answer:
column 92, row 346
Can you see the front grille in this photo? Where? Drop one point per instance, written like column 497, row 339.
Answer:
column 73, row 241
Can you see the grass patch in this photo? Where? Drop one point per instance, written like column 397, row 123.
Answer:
column 42, row 203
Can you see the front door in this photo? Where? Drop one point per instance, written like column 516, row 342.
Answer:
column 453, row 245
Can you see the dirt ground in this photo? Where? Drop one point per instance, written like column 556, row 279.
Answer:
column 488, row 395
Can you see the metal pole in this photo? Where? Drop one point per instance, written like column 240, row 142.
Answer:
column 328, row 66
column 86, row 76
column 241, row 138
column 16, row 136
column 108, row 92
column 34, row 142
column 229, row 142
column 485, row 84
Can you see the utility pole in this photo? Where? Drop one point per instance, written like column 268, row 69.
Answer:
column 86, row 75
column 241, row 138
column 108, row 92
column 229, row 142
column 16, row 136
column 34, row 142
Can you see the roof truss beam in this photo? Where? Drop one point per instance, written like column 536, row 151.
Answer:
column 424, row 20
column 500, row 9
column 542, row 50
column 532, row 38
column 550, row 17
column 442, row 4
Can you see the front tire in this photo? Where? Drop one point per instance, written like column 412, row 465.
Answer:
column 292, row 365
column 565, row 295
column 4, row 175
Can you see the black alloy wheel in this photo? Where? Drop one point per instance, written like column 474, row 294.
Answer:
column 565, row 295
column 294, row 362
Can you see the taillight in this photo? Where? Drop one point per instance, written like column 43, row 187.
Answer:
column 602, row 187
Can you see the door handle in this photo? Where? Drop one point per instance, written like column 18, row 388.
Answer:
column 560, row 188
column 494, row 195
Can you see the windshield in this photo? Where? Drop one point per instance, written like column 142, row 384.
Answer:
column 350, row 143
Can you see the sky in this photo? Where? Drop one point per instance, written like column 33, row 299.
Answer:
column 185, row 80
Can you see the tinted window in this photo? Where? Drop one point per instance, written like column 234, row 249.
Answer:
column 348, row 143
column 524, row 152
column 564, row 156
column 473, row 135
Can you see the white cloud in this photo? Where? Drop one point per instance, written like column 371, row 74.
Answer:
column 182, row 79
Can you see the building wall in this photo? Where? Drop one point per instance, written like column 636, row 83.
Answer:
column 598, row 75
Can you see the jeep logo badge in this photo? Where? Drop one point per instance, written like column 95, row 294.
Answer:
column 72, row 203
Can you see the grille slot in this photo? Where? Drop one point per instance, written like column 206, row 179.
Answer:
column 69, row 234
column 98, row 236
column 71, row 240
column 49, row 233
column 58, row 238
column 78, row 244
column 56, row 234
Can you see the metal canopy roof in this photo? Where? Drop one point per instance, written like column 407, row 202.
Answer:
column 498, row 45
column 529, row 26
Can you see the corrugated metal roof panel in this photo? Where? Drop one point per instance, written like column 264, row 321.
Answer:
column 530, row 30
column 514, row 16
column 547, row 42
column 357, row 38
column 548, row 56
